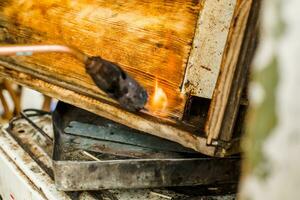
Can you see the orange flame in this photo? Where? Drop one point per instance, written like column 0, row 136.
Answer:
column 159, row 101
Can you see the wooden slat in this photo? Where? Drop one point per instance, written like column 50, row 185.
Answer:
column 241, row 74
column 208, row 47
column 225, row 80
column 149, row 39
column 139, row 122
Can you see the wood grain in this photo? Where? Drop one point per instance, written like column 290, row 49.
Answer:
column 242, row 72
column 139, row 122
column 228, row 68
column 149, row 39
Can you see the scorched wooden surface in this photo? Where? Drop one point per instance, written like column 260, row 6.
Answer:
column 177, row 45
column 149, row 39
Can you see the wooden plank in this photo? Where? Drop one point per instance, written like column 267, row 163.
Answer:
column 149, row 39
column 241, row 73
column 225, row 80
column 208, row 47
column 140, row 122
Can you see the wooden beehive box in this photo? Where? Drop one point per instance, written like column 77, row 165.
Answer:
column 197, row 51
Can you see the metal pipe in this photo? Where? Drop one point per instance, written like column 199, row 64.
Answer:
column 28, row 50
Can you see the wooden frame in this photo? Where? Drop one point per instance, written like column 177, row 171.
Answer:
column 211, row 34
column 234, row 72
column 212, row 51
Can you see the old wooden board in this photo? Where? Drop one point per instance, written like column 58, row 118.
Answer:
column 140, row 122
column 242, row 72
column 180, row 45
column 233, row 73
column 149, row 39
column 155, row 40
column 208, row 48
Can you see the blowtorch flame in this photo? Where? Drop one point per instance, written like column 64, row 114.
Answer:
column 159, row 101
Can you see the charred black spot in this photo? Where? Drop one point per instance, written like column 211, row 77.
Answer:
column 117, row 83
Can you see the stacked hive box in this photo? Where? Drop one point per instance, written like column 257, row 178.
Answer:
column 188, row 48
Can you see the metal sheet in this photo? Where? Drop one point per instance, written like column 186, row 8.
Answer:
column 114, row 148
column 147, row 173
column 74, row 173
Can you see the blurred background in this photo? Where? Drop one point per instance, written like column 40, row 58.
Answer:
column 15, row 98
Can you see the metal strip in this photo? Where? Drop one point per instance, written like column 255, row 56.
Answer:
column 144, row 173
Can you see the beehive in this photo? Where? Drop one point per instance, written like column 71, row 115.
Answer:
column 188, row 48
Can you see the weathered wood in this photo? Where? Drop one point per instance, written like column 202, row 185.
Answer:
column 208, row 47
column 149, row 39
column 241, row 74
column 225, row 80
column 140, row 122
column 147, row 42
